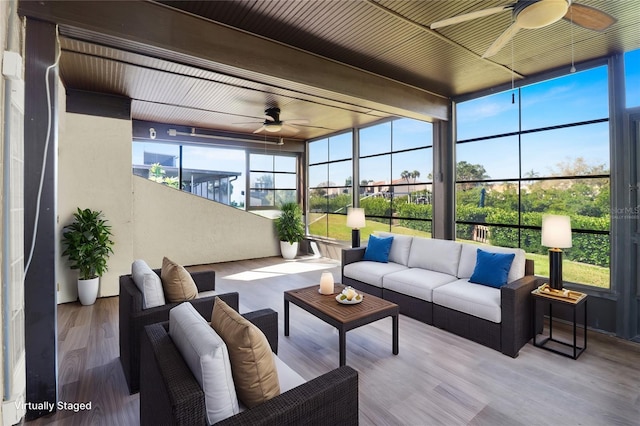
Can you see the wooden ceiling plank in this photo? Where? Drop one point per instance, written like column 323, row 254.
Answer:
column 161, row 27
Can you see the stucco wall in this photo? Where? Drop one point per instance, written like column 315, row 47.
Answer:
column 148, row 220
column 94, row 171
column 192, row 230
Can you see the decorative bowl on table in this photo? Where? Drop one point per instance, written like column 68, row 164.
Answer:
column 349, row 297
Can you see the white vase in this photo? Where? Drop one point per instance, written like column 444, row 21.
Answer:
column 88, row 290
column 288, row 250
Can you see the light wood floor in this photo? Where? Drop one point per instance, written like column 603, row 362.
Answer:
column 437, row 378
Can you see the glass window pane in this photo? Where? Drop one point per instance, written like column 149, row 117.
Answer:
column 576, row 97
column 156, row 161
column 490, row 115
column 285, row 196
column 495, row 202
column 488, row 159
column 408, row 133
column 261, row 162
column 262, row 180
column 340, row 173
column 318, row 175
column 632, row 77
column 317, row 222
column 214, row 173
column 318, row 200
column 318, row 151
column 285, row 181
column 341, row 147
column 285, row 164
column 375, row 170
column 375, row 139
column 412, row 167
column 417, row 228
column 262, row 198
column 572, row 151
column 338, row 227
column 587, row 201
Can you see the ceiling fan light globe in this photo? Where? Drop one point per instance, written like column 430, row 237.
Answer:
column 541, row 13
column 269, row 127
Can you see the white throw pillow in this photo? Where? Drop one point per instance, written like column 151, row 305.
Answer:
column 149, row 284
column 206, row 355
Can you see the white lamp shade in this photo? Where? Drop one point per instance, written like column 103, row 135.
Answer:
column 355, row 218
column 556, row 231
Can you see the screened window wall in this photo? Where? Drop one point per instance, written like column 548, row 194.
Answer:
column 540, row 149
column 330, row 188
column 395, row 180
column 273, row 180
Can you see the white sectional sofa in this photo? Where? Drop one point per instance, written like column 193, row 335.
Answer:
column 429, row 279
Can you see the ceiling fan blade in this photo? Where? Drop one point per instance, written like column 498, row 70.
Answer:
column 262, row 128
column 290, row 128
column 589, row 17
column 504, row 38
column 469, row 16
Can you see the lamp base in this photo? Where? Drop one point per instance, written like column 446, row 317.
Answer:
column 555, row 269
column 355, row 238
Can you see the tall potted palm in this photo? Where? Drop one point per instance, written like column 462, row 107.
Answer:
column 290, row 229
column 87, row 243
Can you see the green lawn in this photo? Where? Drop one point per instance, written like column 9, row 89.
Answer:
column 572, row 271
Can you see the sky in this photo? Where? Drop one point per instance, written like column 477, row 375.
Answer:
column 576, row 97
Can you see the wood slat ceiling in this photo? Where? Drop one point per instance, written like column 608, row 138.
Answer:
column 387, row 37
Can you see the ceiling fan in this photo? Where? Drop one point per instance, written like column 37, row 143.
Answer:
column 531, row 14
column 273, row 124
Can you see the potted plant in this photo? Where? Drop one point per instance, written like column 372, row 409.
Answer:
column 290, row 229
column 87, row 243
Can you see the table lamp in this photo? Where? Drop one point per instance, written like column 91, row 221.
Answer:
column 556, row 234
column 355, row 221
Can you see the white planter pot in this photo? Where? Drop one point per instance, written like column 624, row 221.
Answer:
column 88, row 290
column 288, row 250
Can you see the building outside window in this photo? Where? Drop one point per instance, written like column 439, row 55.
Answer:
column 543, row 148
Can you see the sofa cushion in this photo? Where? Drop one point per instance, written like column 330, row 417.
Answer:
column 206, row 355
column 416, row 282
column 177, row 282
column 470, row 251
column 435, row 255
column 149, row 284
column 254, row 369
column 400, row 247
column 371, row 272
column 287, row 377
column 492, row 269
column 378, row 249
column 474, row 299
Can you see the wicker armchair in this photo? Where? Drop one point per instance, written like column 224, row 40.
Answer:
column 133, row 318
column 170, row 394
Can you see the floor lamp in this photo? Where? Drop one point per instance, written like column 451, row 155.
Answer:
column 556, row 234
column 355, row 221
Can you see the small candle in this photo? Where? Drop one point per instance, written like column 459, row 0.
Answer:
column 326, row 283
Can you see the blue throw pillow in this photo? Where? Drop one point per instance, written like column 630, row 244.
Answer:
column 492, row 269
column 378, row 249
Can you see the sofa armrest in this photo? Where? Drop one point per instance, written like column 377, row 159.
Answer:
column 169, row 394
column 267, row 321
column 351, row 255
column 516, row 328
column 330, row 399
column 205, row 280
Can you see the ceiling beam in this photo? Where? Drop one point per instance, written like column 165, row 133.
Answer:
column 174, row 35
